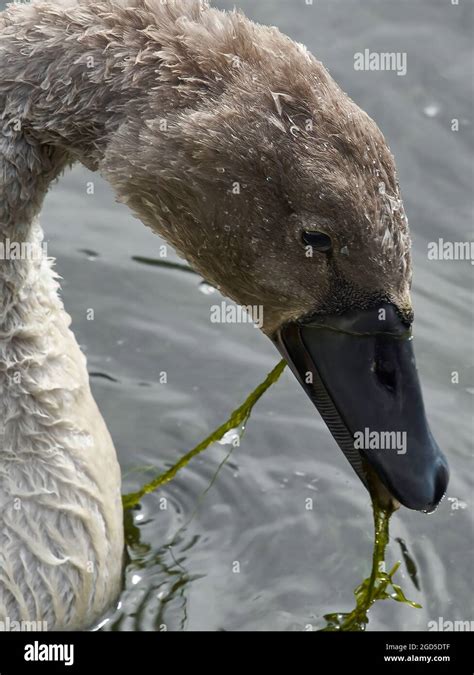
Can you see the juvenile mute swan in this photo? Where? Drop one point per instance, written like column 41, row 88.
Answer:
column 234, row 143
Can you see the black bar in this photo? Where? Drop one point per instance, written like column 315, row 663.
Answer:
column 137, row 653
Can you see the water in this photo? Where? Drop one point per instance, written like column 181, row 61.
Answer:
column 295, row 564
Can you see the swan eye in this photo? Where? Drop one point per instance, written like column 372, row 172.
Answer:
column 318, row 240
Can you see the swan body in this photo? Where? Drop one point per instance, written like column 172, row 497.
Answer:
column 233, row 142
column 61, row 535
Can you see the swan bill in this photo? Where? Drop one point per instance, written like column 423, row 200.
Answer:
column 359, row 370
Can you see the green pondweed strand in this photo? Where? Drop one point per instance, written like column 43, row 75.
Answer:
column 378, row 586
column 237, row 419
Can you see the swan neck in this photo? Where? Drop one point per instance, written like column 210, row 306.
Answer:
column 26, row 171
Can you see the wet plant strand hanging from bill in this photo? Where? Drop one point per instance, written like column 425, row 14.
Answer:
column 378, row 586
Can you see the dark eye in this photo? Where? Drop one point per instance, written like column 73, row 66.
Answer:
column 318, row 240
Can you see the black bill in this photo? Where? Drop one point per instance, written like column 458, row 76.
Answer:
column 359, row 370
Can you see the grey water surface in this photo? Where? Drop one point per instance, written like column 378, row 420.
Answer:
column 295, row 564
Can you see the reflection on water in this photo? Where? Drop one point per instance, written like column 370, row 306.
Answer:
column 149, row 598
column 154, row 262
column 410, row 564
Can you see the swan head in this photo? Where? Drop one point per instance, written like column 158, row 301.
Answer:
column 283, row 193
